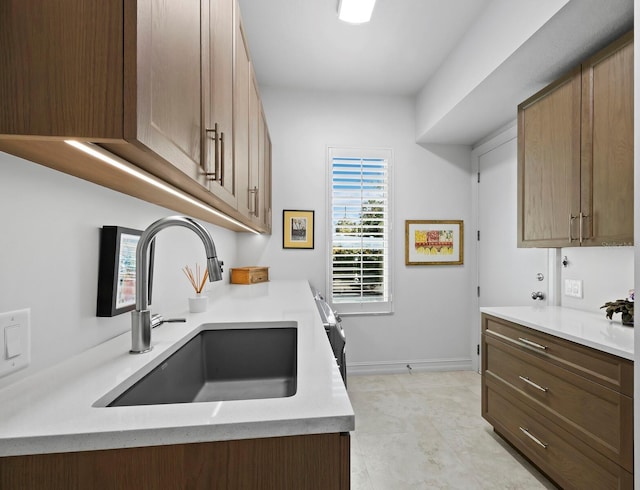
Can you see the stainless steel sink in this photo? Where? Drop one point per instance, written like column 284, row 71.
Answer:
column 238, row 363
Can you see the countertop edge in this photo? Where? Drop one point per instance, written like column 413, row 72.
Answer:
column 588, row 329
column 175, row 435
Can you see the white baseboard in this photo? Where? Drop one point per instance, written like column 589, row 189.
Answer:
column 399, row 367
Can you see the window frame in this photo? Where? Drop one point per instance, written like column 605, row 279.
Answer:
column 359, row 307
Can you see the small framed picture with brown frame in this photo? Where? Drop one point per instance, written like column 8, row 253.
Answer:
column 297, row 229
column 434, row 242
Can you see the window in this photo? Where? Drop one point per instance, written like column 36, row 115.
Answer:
column 359, row 230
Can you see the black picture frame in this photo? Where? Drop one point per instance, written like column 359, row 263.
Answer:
column 116, row 270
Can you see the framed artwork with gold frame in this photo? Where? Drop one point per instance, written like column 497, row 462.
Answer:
column 434, row 242
column 297, row 229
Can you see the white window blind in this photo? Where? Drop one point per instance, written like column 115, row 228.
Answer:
column 360, row 224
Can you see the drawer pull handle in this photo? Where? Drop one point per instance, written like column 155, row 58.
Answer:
column 533, row 438
column 532, row 344
column 535, row 385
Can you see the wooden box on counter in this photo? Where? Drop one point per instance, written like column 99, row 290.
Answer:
column 249, row 275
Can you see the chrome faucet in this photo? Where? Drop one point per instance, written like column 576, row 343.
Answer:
column 141, row 317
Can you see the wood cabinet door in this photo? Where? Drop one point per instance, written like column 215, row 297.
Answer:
column 256, row 157
column 241, row 91
column 266, row 172
column 567, row 460
column 168, row 100
column 549, row 165
column 217, row 84
column 61, row 73
column 607, row 146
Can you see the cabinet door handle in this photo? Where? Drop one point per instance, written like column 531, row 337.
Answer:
column 256, row 207
column 571, row 218
column 254, row 191
column 212, row 176
column 532, row 344
column 534, row 438
column 582, row 217
column 535, row 385
column 221, row 168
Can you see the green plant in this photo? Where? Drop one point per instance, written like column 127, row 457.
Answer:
column 623, row 306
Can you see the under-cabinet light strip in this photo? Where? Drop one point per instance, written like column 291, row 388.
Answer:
column 114, row 161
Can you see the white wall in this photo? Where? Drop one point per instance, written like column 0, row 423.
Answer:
column 49, row 247
column 606, row 272
column 430, row 326
column 501, row 29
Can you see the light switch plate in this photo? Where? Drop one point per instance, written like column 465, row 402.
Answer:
column 573, row 288
column 15, row 341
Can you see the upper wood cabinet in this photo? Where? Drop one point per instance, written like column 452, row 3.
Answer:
column 241, row 112
column 218, row 35
column 575, row 155
column 607, row 146
column 265, row 197
column 251, row 140
column 150, row 81
column 256, row 157
column 169, row 63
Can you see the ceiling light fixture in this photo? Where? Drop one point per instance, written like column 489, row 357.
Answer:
column 355, row 11
column 114, row 161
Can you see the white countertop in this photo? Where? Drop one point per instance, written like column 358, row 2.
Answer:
column 52, row 411
column 583, row 327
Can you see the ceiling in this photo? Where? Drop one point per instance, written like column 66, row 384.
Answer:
column 300, row 44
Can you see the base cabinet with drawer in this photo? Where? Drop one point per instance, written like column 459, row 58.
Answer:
column 566, row 407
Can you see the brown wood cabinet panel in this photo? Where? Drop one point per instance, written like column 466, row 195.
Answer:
column 610, row 371
column 607, row 145
column 564, row 458
column 218, row 33
column 311, row 462
column 266, row 169
column 169, row 93
column 549, row 164
column 61, row 69
column 345, row 461
column 256, row 157
column 599, row 416
column 269, row 463
column 153, row 468
column 242, row 84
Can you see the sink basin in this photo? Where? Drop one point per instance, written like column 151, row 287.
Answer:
column 222, row 364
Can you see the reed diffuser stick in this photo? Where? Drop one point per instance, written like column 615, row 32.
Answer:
column 194, row 280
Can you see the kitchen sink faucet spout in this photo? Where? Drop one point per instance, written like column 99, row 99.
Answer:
column 141, row 317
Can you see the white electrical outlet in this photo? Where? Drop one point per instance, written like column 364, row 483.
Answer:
column 15, row 341
column 573, row 288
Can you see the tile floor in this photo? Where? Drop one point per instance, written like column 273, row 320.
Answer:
column 424, row 431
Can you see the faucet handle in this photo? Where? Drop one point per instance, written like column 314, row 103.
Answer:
column 157, row 320
column 537, row 295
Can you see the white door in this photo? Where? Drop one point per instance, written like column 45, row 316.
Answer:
column 507, row 275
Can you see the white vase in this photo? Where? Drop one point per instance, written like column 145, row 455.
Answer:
column 198, row 303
